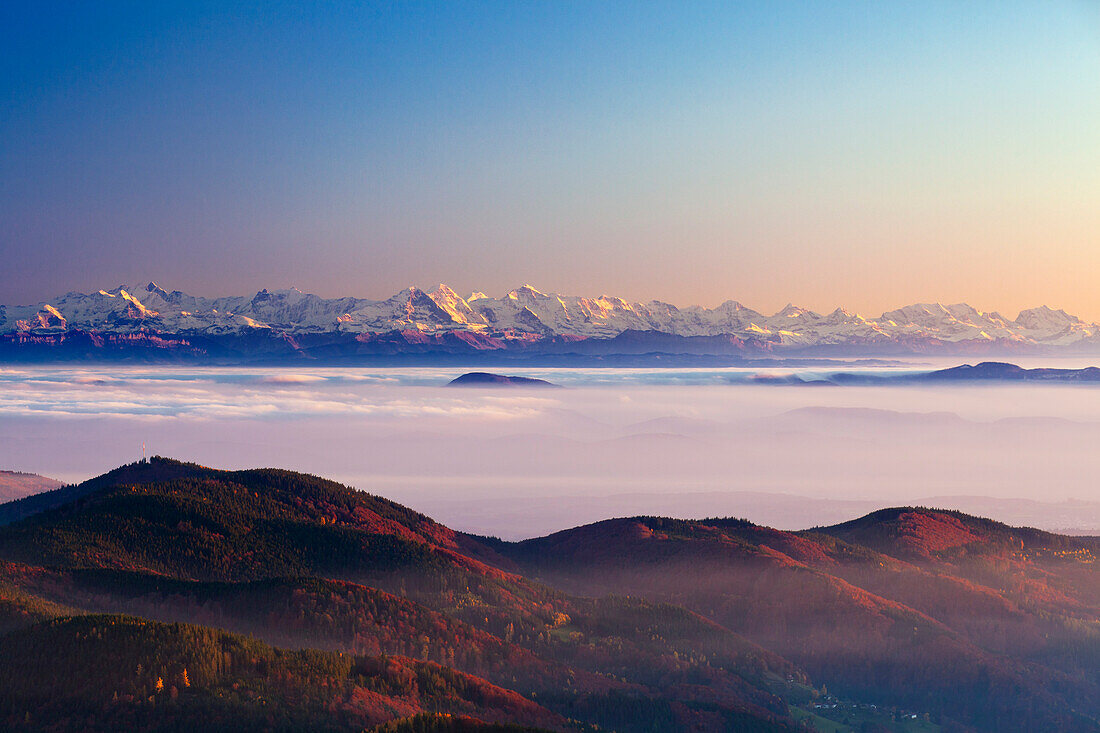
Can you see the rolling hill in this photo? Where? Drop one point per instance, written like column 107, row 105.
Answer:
column 299, row 561
column 907, row 619
column 931, row 611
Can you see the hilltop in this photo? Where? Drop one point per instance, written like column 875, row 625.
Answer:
column 485, row 379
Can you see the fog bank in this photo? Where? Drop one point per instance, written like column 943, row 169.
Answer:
column 516, row 462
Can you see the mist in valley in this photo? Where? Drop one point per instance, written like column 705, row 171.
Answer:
column 519, row 463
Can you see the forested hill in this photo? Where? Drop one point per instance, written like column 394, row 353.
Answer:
column 299, row 561
column 909, row 619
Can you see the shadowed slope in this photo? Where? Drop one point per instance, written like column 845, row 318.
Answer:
column 156, row 469
column 127, row 673
column 843, row 611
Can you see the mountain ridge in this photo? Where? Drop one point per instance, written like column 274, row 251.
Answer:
column 523, row 319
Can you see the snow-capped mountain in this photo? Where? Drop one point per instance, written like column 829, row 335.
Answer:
column 529, row 316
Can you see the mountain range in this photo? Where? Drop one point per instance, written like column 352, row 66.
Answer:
column 289, row 322
column 166, row 596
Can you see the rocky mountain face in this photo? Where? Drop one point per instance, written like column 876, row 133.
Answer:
column 527, row 316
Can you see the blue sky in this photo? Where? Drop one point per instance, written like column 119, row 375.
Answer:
column 844, row 153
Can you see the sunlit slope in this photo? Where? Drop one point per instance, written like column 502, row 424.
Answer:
column 1056, row 572
column 1033, row 569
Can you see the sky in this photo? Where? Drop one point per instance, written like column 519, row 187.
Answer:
column 856, row 154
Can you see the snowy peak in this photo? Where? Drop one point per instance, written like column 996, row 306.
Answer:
column 1055, row 327
column 1044, row 318
column 454, row 306
column 792, row 311
column 525, row 292
column 154, row 289
column 529, row 314
column 732, row 306
column 445, row 291
column 917, row 314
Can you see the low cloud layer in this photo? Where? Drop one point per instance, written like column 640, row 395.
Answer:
column 473, row 457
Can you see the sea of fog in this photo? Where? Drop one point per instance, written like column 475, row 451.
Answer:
column 611, row 442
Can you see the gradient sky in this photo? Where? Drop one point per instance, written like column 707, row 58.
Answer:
column 827, row 153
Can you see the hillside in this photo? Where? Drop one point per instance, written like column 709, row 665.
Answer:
column 16, row 485
column 908, row 619
column 1012, row 636
column 300, row 561
column 128, row 673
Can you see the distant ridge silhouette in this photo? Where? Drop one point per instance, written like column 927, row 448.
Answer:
column 487, row 379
